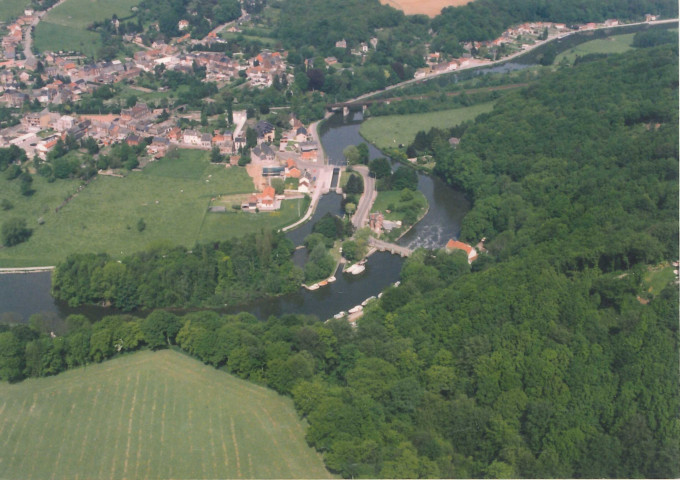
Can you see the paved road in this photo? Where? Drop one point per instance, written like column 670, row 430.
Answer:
column 360, row 217
column 504, row 59
column 28, row 36
column 324, row 175
column 320, row 156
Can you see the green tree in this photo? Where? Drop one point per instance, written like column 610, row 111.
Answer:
column 380, row 168
column 278, row 185
column 160, row 329
column 11, row 357
column 215, row 155
column 362, row 149
column 14, row 231
column 351, row 154
column 355, row 184
column 251, row 137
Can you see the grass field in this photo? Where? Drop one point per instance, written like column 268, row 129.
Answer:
column 172, row 195
column 425, row 7
column 10, row 9
column 266, row 41
column 150, row 415
column 391, row 130
column 391, row 197
column 613, row 44
column 218, row 226
column 656, row 279
column 65, row 27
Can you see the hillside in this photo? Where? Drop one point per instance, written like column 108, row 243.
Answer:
column 150, row 415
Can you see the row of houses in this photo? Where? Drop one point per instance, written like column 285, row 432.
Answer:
column 15, row 34
column 513, row 35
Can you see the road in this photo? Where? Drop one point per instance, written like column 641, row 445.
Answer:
column 28, row 33
column 313, row 129
column 504, row 59
column 366, row 202
column 324, row 175
column 219, row 28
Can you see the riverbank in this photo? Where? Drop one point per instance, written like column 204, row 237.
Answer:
column 8, row 271
column 509, row 58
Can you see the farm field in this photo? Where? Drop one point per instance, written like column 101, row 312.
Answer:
column 12, row 8
column 430, row 8
column 150, row 415
column 392, row 130
column 613, row 44
column 171, row 196
column 65, row 27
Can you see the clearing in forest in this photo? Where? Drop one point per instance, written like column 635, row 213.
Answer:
column 430, row 8
column 150, row 415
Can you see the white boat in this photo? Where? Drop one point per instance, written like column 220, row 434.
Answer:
column 397, row 283
column 356, row 309
column 331, row 279
column 313, row 287
column 340, row 314
column 356, row 269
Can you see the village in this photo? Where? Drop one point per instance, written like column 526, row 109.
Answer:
column 34, row 87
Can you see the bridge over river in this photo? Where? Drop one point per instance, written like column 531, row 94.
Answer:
column 389, row 247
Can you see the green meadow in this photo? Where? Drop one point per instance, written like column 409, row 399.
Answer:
column 65, row 26
column 10, row 9
column 171, row 195
column 391, row 130
column 150, row 415
column 613, row 44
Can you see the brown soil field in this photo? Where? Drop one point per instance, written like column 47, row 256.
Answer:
column 430, row 8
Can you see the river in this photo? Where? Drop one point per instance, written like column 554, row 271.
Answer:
column 22, row 295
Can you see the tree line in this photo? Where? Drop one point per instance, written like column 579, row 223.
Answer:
column 514, row 371
column 231, row 271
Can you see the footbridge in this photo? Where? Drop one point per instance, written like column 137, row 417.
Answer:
column 389, row 247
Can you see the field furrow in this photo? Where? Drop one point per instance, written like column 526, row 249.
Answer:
column 150, row 415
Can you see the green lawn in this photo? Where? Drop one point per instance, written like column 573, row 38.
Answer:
column 150, row 415
column 171, row 195
column 65, row 27
column 10, row 9
column 266, row 41
column 218, row 226
column 389, row 198
column 613, row 44
column 392, row 130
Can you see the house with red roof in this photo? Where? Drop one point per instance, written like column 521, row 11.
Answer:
column 469, row 250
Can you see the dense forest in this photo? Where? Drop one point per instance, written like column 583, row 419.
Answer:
column 585, row 170
column 323, row 22
column 549, row 357
column 232, row 271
